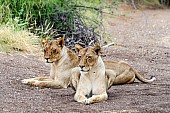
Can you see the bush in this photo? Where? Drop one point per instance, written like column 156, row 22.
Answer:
column 74, row 18
column 31, row 11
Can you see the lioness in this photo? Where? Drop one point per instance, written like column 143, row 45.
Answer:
column 90, row 81
column 96, row 76
column 62, row 61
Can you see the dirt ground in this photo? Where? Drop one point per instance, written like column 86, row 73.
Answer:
column 143, row 40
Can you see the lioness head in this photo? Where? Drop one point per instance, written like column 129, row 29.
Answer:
column 88, row 56
column 52, row 49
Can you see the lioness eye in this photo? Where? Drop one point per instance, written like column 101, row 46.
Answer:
column 53, row 51
column 88, row 57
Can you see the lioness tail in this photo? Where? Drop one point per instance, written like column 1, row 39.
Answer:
column 142, row 79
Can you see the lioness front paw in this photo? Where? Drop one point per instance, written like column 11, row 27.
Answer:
column 86, row 101
column 27, row 81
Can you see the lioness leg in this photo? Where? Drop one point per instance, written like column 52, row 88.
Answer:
column 126, row 77
column 75, row 77
column 50, row 83
column 43, row 82
column 110, row 77
column 32, row 80
column 93, row 99
column 80, row 98
column 97, row 98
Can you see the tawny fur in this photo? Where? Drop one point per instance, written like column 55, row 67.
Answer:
column 94, row 77
column 122, row 73
column 89, row 78
column 62, row 62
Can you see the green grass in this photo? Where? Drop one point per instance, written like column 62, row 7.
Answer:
column 33, row 10
column 20, row 17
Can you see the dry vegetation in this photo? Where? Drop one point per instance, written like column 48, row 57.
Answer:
column 22, row 41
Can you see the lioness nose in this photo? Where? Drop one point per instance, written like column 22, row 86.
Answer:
column 81, row 66
column 47, row 58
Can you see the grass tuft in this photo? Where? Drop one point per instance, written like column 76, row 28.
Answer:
column 17, row 41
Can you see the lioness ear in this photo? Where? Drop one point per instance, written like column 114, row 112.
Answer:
column 97, row 49
column 43, row 41
column 78, row 48
column 60, row 42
